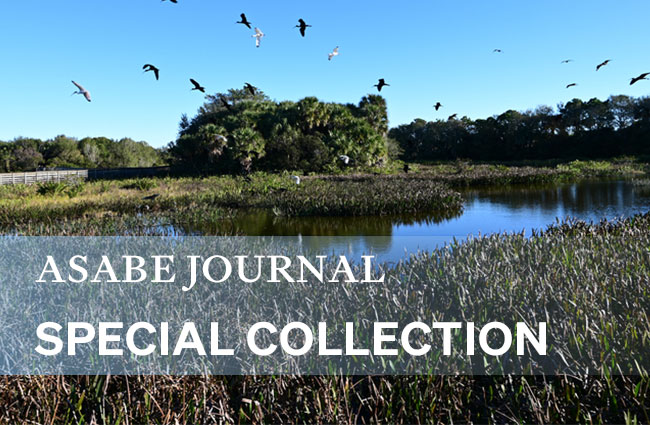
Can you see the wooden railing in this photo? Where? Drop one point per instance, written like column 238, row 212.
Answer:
column 42, row 176
column 83, row 174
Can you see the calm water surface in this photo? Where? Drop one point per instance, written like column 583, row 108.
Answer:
column 509, row 209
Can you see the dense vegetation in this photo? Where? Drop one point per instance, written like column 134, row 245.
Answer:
column 239, row 132
column 186, row 202
column 24, row 154
column 594, row 129
column 590, row 281
column 200, row 203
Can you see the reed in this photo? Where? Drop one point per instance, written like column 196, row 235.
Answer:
column 572, row 269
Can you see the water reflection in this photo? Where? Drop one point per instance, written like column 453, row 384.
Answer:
column 507, row 209
column 265, row 223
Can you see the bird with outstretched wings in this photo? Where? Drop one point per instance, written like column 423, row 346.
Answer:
column 82, row 91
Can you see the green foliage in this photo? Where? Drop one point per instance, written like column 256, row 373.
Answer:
column 71, row 188
column 255, row 133
column 64, row 152
column 141, row 184
column 51, row 188
column 593, row 129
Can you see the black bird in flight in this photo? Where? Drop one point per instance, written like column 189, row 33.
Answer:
column 244, row 21
column 438, row 105
column 251, row 88
column 567, row 61
column 303, row 26
column 225, row 103
column 452, row 117
column 197, row 86
column 406, row 168
column 497, row 51
column 639, row 78
column 571, row 85
column 148, row 67
column 173, row 1
column 381, row 84
column 600, row 65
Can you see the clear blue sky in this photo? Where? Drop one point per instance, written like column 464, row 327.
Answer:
column 428, row 50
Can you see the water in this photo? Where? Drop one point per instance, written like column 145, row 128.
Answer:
column 504, row 209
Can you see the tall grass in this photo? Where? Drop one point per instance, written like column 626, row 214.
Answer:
column 205, row 200
column 571, row 271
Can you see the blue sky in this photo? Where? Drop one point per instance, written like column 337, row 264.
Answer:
column 427, row 50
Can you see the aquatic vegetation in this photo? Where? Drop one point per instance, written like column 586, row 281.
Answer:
column 194, row 202
column 367, row 196
column 201, row 200
column 571, row 271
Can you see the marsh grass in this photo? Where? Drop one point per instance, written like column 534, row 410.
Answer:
column 568, row 272
column 194, row 202
column 200, row 200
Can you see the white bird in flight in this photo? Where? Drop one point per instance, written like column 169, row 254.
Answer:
column 258, row 36
column 345, row 159
column 295, row 179
column 335, row 52
column 82, row 90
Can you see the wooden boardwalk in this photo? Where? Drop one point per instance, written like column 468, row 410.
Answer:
column 81, row 174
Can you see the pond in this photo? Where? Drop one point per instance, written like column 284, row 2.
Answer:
column 487, row 210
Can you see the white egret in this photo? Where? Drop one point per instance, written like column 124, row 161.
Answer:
column 335, row 52
column 257, row 36
column 82, row 90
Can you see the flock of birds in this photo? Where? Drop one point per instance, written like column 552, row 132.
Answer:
column 302, row 27
column 634, row 80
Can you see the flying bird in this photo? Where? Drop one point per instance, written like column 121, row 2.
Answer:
column 148, row 67
column 82, row 90
column 303, row 26
column 225, row 103
column 497, row 51
column 244, row 21
column 600, row 65
column 571, row 85
column 452, row 116
column 381, row 84
column 406, row 168
column 173, row 1
column 197, row 86
column 295, row 179
column 639, row 78
column 567, row 61
column 438, row 105
column 335, row 52
column 154, row 196
column 257, row 36
column 344, row 159
column 251, row 88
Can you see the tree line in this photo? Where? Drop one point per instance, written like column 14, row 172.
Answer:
column 240, row 131
column 27, row 154
column 617, row 126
